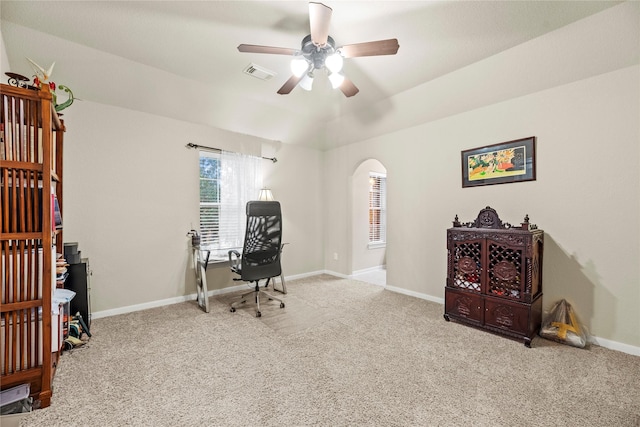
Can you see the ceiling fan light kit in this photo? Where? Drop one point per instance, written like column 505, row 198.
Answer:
column 306, row 82
column 318, row 52
column 336, row 80
column 299, row 66
column 334, row 62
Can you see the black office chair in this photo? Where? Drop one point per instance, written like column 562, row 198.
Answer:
column 260, row 259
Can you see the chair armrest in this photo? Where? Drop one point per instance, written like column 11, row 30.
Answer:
column 234, row 259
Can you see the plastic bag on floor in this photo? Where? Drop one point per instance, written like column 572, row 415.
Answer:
column 562, row 325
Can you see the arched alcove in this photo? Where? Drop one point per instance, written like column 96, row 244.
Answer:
column 368, row 261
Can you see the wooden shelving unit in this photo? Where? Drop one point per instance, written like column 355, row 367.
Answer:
column 30, row 173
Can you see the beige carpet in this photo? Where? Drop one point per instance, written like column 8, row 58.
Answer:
column 342, row 352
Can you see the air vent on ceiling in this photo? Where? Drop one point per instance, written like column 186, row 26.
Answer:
column 259, row 72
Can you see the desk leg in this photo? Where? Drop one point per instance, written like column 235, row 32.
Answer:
column 284, row 286
column 201, row 280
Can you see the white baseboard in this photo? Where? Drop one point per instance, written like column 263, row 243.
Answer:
column 602, row 342
column 614, row 345
column 369, row 270
column 335, row 273
column 415, row 294
column 389, row 287
column 139, row 307
column 184, row 298
column 304, row 275
column 162, row 303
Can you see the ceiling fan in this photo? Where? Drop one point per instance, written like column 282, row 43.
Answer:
column 319, row 52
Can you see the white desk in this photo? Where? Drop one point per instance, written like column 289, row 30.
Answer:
column 202, row 258
column 200, row 262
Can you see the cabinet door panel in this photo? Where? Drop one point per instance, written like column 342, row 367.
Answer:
column 464, row 304
column 466, row 265
column 512, row 317
column 505, row 271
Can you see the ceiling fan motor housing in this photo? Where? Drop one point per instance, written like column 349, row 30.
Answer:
column 316, row 55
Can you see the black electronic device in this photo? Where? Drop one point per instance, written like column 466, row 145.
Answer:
column 79, row 282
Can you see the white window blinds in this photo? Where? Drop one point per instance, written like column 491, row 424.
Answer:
column 209, row 198
column 227, row 182
column 377, row 208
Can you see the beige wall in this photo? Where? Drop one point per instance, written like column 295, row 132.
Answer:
column 131, row 195
column 586, row 196
column 4, row 59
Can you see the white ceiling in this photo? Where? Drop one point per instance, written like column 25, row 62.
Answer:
column 179, row 58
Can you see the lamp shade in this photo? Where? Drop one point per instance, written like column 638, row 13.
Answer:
column 265, row 195
column 299, row 66
column 336, row 79
column 334, row 62
column 307, row 82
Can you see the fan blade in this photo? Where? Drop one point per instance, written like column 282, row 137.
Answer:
column 252, row 48
column 348, row 88
column 289, row 85
column 380, row 47
column 319, row 18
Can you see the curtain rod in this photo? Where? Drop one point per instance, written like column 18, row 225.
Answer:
column 218, row 150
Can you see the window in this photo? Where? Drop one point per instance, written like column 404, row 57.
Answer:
column 209, row 198
column 377, row 209
column 227, row 182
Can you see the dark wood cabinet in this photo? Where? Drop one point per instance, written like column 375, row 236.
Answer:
column 494, row 275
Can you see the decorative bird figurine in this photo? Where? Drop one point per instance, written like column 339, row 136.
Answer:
column 42, row 74
column 42, row 78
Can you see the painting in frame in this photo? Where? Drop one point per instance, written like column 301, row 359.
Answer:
column 506, row 162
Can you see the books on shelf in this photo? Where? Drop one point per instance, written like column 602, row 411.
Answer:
column 26, row 202
column 56, row 220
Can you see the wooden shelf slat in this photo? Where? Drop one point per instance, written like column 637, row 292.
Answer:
column 12, row 164
column 15, row 306
column 22, row 236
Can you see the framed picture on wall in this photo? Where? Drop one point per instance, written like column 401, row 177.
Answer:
column 512, row 161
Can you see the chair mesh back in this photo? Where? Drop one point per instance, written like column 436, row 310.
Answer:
column 262, row 241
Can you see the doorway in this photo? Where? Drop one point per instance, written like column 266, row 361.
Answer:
column 368, row 222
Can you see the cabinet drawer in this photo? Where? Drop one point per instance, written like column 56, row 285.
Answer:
column 464, row 304
column 502, row 315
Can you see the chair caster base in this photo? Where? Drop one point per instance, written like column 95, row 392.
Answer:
column 232, row 309
column 281, row 305
column 258, row 314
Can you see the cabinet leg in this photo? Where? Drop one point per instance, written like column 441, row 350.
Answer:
column 446, row 317
column 527, row 342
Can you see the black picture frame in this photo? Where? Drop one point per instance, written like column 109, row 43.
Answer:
column 502, row 163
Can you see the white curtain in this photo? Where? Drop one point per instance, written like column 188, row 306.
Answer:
column 240, row 182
